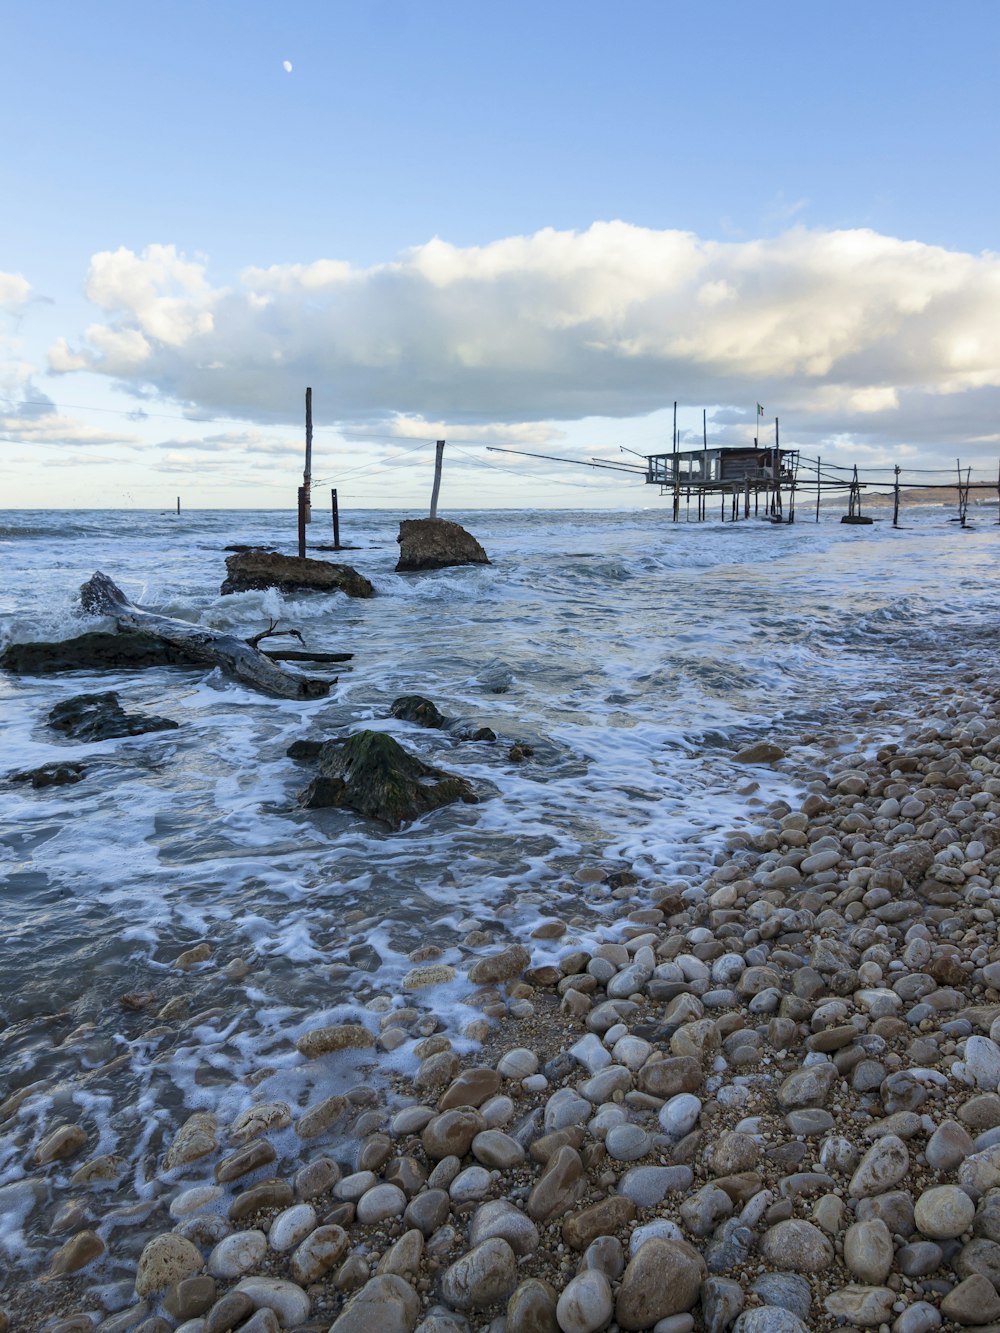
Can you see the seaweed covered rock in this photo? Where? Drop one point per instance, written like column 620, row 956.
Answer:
column 98, row 651
column 100, row 717
column 257, row 568
column 372, row 774
column 435, row 543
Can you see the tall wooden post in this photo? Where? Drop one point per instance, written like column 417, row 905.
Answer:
column 178, row 504
column 335, row 512
column 307, row 473
column 895, row 499
column 302, row 522
column 819, row 484
column 776, row 474
column 677, row 474
column 963, row 495
column 438, row 458
column 791, row 497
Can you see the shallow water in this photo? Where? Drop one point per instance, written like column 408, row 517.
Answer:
column 637, row 657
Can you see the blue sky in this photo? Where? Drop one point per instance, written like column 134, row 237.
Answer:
column 794, row 203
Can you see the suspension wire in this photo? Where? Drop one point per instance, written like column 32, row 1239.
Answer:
column 521, row 472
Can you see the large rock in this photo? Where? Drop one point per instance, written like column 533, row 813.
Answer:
column 663, row 1279
column 100, row 717
column 256, row 568
column 97, row 651
column 482, row 1277
column 796, row 1245
column 387, row 1303
column 434, row 543
column 885, row 1164
column 372, row 774
column 165, row 1260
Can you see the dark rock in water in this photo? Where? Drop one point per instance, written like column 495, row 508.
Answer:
column 519, row 751
column 497, row 678
column 425, row 713
column 305, row 749
column 100, row 717
column 415, row 708
column 93, row 652
column 434, row 543
column 256, row 568
column 372, row 774
column 51, row 775
column 467, row 731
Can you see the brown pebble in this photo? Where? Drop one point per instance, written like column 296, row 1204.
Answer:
column 254, row 1155
column 76, row 1253
column 191, row 1297
column 267, row 1194
column 227, row 1313
column 66, row 1141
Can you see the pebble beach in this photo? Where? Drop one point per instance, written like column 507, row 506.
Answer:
column 759, row 1097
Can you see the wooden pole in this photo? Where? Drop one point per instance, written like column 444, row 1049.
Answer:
column 438, row 458
column 178, row 504
column 819, row 484
column 302, row 522
column 963, row 495
column 776, row 473
column 307, row 473
column 791, row 489
column 335, row 513
column 895, row 499
column 704, row 446
column 677, row 474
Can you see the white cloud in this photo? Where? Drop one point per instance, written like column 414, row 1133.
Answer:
column 14, row 291
column 243, row 443
column 51, row 428
column 613, row 321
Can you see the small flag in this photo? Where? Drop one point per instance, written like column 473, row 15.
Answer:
column 760, row 410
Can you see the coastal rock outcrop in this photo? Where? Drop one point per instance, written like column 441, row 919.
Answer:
column 257, row 568
column 100, row 717
column 436, row 543
column 372, row 774
column 97, row 651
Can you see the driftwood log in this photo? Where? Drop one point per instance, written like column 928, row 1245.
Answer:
column 101, row 596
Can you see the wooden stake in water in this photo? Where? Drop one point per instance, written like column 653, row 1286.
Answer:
column 302, row 522
column 704, row 447
column 335, row 512
column 178, row 504
column 819, row 484
column 677, row 472
column 438, row 459
column 307, row 474
column 895, row 500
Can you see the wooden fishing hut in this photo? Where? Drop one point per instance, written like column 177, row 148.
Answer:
column 738, row 475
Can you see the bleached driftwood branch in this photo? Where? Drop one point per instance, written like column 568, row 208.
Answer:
column 100, row 595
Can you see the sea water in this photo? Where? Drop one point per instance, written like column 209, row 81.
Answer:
column 634, row 656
